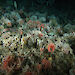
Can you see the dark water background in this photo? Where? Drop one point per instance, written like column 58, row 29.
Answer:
column 61, row 8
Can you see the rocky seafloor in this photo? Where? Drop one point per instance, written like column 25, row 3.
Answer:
column 35, row 44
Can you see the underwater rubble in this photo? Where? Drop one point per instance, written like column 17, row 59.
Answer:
column 31, row 45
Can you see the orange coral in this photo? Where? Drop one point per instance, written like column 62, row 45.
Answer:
column 51, row 47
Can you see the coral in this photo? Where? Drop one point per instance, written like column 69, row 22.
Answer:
column 69, row 28
column 20, row 21
column 6, row 22
column 10, row 42
column 51, row 47
column 34, row 18
column 39, row 67
column 62, row 46
column 41, row 26
column 40, row 35
column 6, row 62
column 66, row 49
column 5, row 35
column 41, row 49
column 42, row 19
column 53, row 21
column 46, row 64
column 12, row 62
column 24, row 41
